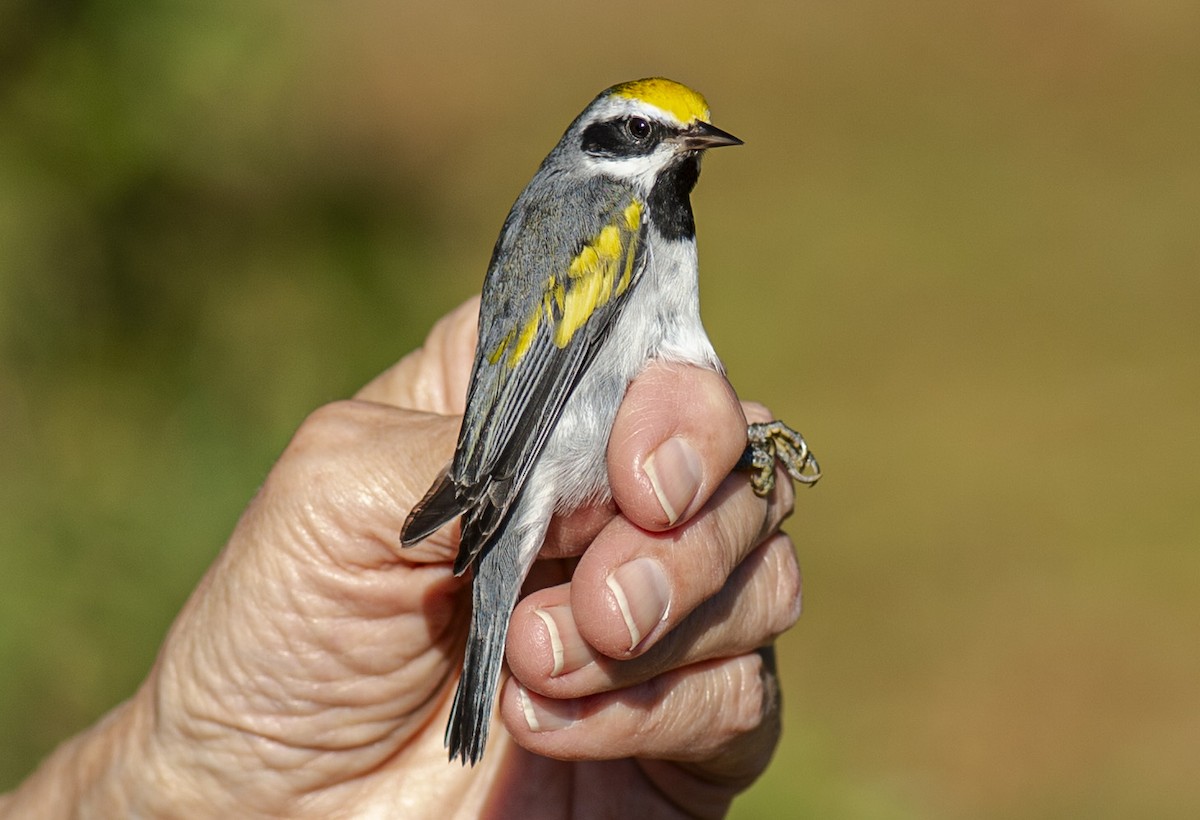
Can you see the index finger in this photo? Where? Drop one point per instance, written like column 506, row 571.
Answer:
column 679, row 432
column 433, row 378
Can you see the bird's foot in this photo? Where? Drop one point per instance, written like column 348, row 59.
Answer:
column 771, row 442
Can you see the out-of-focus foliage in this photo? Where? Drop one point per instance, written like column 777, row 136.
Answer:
column 958, row 251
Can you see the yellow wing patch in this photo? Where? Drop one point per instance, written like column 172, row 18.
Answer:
column 603, row 267
column 684, row 103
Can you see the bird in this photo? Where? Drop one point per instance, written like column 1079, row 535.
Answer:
column 593, row 276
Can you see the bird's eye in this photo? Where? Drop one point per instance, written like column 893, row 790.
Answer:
column 638, row 128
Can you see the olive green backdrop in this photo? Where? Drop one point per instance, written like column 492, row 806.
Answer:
column 959, row 250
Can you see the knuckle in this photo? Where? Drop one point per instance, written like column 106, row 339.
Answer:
column 657, row 722
column 784, row 499
column 787, row 590
column 742, row 698
column 732, row 701
column 704, row 711
column 756, row 412
column 780, row 503
column 778, row 506
column 314, row 463
column 328, row 427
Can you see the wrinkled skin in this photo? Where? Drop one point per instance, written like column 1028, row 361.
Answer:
column 309, row 674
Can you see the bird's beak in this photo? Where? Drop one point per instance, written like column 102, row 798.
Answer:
column 701, row 135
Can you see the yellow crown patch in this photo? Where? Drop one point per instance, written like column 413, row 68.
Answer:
column 675, row 98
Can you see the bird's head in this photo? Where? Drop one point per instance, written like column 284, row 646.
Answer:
column 639, row 129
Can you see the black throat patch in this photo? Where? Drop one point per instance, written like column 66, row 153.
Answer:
column 670, row 202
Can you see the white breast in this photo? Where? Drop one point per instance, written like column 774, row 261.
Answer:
column 661, row 321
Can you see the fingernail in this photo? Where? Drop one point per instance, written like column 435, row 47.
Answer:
column 643, row 596
column 544, row 714
column 570, row 651
column 674, row 471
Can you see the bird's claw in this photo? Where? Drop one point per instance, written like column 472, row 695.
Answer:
column 771, row 442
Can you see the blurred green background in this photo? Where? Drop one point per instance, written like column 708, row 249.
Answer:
column 968, row 229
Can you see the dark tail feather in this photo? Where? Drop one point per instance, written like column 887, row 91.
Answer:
column 440, row 505
column 471, row 714
column 494, row 589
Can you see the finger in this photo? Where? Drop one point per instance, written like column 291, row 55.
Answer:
column 632, row 586
column 548, row 654
column 721, row 714
column 569, row 535
column 665, row 410
column 434, row 377
column 677, row 435
column 756, row 412
column 352, row 472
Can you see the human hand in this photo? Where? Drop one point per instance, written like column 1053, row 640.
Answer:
column 309, row 673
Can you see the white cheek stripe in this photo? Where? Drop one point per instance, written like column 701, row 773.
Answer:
column 641, row 171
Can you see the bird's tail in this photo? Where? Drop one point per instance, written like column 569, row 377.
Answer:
column 494, row 589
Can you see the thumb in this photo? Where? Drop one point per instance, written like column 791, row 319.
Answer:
column 433, row 377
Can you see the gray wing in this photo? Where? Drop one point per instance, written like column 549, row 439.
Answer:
column 543, row 318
